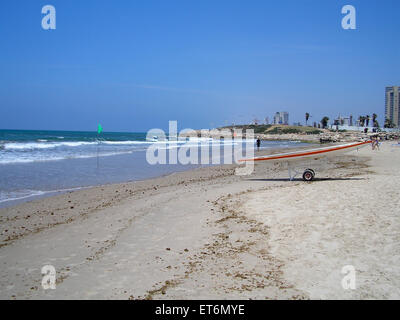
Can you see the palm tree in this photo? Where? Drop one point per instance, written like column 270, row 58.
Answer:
column 388, row 124
column 307, row 117
column 324, row 122
column 374, row 122
column 367, row 120
column 361, row 119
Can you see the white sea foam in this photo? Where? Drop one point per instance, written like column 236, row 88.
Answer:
column 18, row 195
column 43, row 145
column 43, row 158
column 125, row 142
column 41, row 151
column 23, row 194
column 200, row 139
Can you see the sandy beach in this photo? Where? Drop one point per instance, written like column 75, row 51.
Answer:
column 209, row 234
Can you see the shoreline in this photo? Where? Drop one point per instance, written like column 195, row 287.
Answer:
column 108, row 190
column 200, row 234
column 43, row 193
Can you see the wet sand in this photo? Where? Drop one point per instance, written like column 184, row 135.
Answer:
column 209, row 234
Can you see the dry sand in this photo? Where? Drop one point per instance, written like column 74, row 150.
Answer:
column 206, row 234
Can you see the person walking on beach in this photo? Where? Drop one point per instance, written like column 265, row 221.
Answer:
column 375, row 143
column 258, row 143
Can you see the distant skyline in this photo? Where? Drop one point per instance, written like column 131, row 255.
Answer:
column 135, row 65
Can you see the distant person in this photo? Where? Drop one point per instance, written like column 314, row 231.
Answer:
column 258, row 143
column 375, row 143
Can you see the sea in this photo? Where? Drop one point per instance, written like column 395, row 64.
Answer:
column 35, row 164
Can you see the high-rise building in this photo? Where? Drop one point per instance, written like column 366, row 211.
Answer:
column 285, row 116
column 276, row 118
column 392, row 105
column 281, row 118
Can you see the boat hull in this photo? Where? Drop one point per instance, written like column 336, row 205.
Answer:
column 312, row 153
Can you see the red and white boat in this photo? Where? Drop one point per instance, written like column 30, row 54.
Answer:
column 303, row 155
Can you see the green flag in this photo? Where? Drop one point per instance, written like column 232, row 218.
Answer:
column 99, row 129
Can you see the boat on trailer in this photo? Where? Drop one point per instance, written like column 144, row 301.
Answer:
column 317, row 153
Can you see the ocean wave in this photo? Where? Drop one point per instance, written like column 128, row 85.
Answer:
column 41, row 151
column 43, row 145
column 44, row 158
column 128, row 142
column 23, row 194
column 18, row 195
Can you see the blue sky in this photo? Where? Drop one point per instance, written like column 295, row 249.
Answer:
column 134, row 65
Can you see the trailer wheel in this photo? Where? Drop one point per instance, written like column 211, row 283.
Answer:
column 308, row 175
